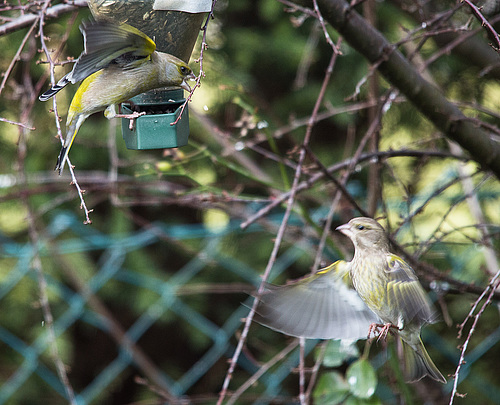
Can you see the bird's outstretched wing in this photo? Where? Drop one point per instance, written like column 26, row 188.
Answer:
column 323, row 306
column 405, row 293
column 105, row 44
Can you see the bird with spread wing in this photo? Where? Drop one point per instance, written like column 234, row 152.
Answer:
column 348, row 300
column 118, row 63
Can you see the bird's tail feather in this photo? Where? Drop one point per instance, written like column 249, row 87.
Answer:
column 61, row 159
column 418, row 363
column 71, row 130
column 54, row 89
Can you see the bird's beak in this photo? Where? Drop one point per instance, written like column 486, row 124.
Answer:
column 345, row 229
column 184, row 84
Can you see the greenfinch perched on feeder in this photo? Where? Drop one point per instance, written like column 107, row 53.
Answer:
column 386, row 289
column 118, row 62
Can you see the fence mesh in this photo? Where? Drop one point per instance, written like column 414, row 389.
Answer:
column 174, row 327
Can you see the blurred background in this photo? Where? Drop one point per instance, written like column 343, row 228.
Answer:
column 145, row 304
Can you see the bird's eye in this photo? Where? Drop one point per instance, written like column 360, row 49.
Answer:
column 184, row 70
column 360, row 227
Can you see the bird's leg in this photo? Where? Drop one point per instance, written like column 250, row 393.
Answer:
column 373, row 329
column 384, row 330
column 110, row 112
column 132, row 116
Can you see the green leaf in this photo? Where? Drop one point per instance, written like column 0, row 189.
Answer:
column 331, row 389
column 352, row 400
column 362, row 379
column 339, row 351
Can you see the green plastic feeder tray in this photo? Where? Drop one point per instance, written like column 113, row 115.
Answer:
column 154, row 130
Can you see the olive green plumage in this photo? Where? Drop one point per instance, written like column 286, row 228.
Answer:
column 386, row 290
column 118, row 63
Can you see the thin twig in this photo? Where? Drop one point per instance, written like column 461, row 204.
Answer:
column 36, row 263
column 260, row 372
column 302, row 377
column 490, row 290
column 265, row 276
column 281, row 230
column 204, row 47
column 295, row 7
column 17, row 123
column 314, row 371
column 445, row 50
column 335, row 48
column 484, row 23
column 330, row 112
column 74, row 180
column 51, row 12
column 16, row 57
column 381, row 155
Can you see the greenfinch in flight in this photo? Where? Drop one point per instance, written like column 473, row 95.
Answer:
column 386, row 290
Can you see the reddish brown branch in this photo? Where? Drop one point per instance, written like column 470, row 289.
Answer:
column 485, row 23
column 51, row 12
column 489, row 291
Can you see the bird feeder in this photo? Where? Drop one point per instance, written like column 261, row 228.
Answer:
column 174, row 26
column 156, row 129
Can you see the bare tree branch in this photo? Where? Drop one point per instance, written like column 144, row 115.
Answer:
column 402, row 74
column 51, row 12
column 490, row 289
column 485, row 23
